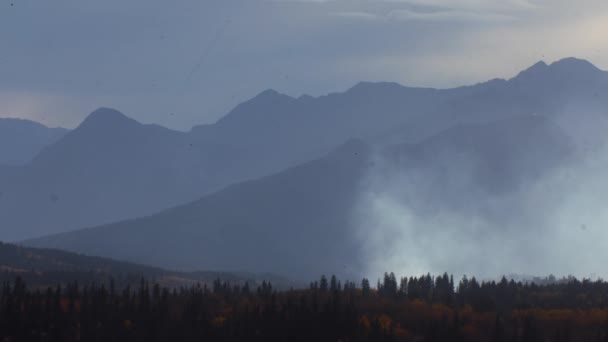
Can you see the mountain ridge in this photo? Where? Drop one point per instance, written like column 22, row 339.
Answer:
column 21, row 140
column 41, row 267
column 298, row 222
column 142, row 169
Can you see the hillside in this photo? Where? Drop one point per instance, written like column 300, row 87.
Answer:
column 47, row 267
column 300, row 222
column 21, row 140
column 112, row 168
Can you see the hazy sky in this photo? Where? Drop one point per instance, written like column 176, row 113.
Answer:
column 196, row 59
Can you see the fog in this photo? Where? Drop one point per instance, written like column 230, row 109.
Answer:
column 417, row 220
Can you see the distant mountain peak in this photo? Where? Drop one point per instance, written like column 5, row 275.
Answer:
column 106, row 118
column 269, row 92
column 105, row 113
column 573, row 64
column 270, row 95
column 536, row 69
column 538, row 66
column 247, row 110
column 20, row 122
column 567, row 66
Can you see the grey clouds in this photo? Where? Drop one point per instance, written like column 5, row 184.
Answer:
column 188, row 62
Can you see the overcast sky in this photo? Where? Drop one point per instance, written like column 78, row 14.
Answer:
column 185, row 62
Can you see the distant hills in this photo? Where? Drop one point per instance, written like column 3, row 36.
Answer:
column 21, row 140
column 286, row 223
column 112, row 168
column 299, row 222
column 48, row 267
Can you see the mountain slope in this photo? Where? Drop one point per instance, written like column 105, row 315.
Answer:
column 569, row 91
column 286, row 223
column 21, row 140
column 109, row 168
column 468, row 166
column 112, row 168
column 48, row 267
column 299, row 222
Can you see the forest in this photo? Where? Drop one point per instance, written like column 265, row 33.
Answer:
column 425, row 308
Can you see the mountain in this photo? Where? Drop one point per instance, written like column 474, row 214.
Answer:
column 48, row 267
column 262, row 220
column 111, row 168
column 569, row 91
column 21, row 140
column 468, row 166
column 501, row 153
column 299, row 222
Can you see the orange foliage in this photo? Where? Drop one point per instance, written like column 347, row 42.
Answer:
column 401, row 332
column 218, row 321
column 385, row 321
column 470, row 331
column 364, row 322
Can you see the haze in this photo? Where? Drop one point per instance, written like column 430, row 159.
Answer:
column 300, row 138
column 188, row 62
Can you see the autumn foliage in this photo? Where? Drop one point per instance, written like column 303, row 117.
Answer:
column 422, row 308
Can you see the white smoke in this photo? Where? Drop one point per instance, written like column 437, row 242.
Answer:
column 555, row 225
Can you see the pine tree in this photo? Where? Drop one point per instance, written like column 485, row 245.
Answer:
column 365, row 287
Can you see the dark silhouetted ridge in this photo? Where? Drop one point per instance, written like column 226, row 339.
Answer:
column 298, row 222
column 43, row 267
column 536, row 69
column 252, row 109
column 567, row 69
column 574, row 65
column 106, row 118
column 21, row 140
column 140, row 169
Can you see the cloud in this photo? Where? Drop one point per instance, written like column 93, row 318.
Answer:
column 358, row 15
column 146, row 50
column 452, row 15
column 473, row 4
column 436, row 16
column 433, row 11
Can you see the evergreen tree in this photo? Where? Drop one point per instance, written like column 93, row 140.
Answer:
column 365, row 287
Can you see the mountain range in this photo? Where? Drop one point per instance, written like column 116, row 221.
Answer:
column 21, row 140
column 299, row 222
column 271, row 185
column 48, row 267
column 112, row 168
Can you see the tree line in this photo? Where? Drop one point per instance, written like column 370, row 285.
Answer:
column 424, row 308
